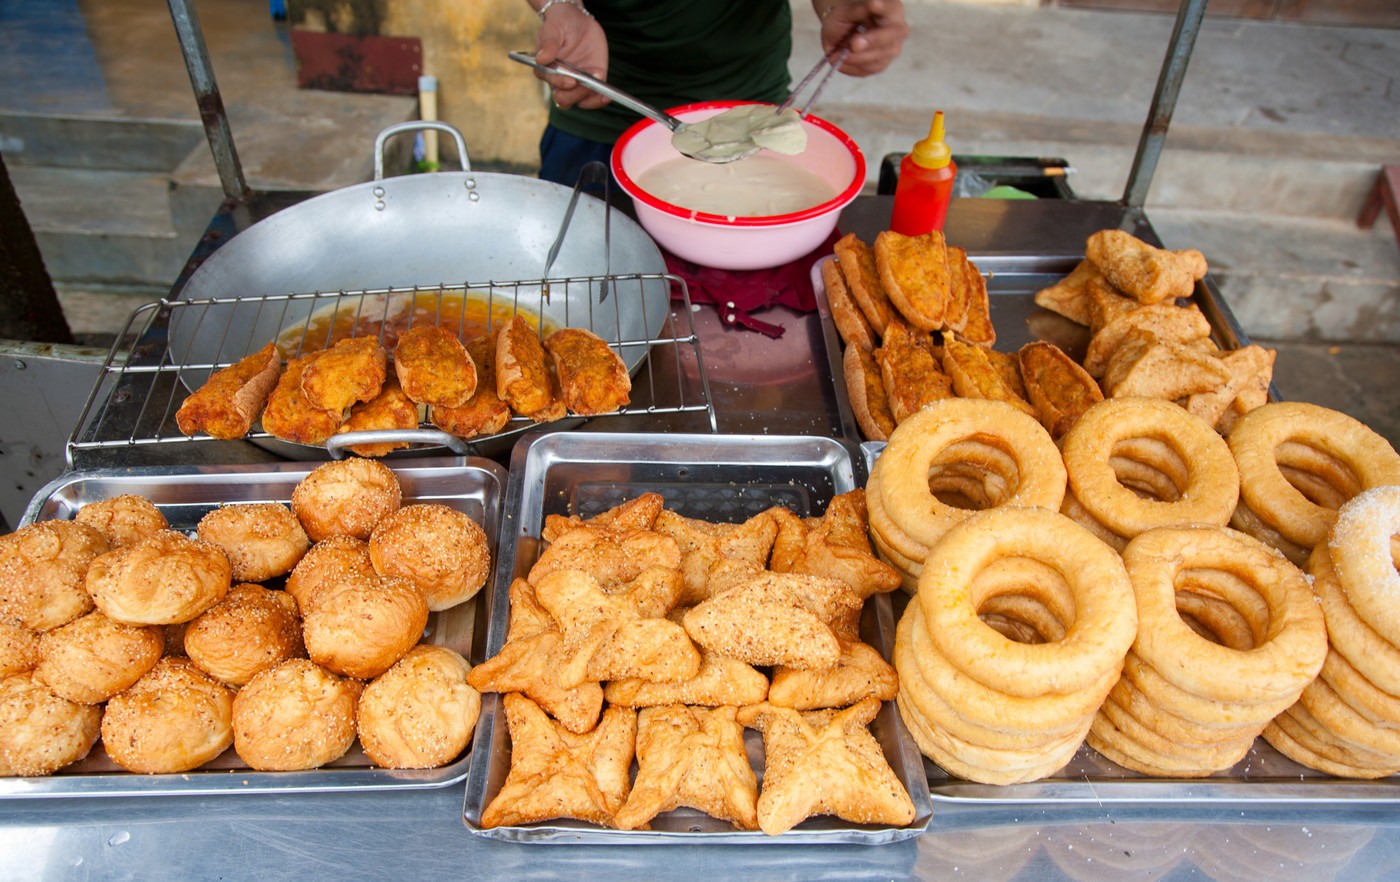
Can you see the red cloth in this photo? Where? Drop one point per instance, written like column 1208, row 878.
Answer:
column 736, row 293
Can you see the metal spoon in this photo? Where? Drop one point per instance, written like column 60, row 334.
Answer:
column 602, row 88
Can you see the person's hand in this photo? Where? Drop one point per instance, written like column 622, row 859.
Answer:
column 873, row 49
column 568, row 34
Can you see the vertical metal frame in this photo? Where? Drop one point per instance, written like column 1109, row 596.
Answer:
column 211, row 104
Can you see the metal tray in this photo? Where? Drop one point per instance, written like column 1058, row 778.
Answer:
column 470, row 485
column 724, row 478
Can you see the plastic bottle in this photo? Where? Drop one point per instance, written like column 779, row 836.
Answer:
column 925, row 184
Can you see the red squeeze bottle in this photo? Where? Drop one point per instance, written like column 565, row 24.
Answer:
column 925, row 184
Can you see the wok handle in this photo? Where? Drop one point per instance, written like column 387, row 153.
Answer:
column 413, row 126
column 336, row 444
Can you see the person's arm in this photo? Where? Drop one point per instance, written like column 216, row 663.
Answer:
column 873, row 49
column 569, row 33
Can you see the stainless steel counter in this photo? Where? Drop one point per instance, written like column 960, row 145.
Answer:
column 758, row 385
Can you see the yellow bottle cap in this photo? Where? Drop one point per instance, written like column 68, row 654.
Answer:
column 931, row 152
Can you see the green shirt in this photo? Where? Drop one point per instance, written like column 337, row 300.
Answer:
column 674, row 52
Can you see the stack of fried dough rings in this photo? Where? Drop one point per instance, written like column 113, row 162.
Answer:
column 955, row 456
column 1228, row 637
column 1347, row 721
column 1001, row 709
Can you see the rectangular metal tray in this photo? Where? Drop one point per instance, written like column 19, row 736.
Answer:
column 725, row 478
column 473, row 486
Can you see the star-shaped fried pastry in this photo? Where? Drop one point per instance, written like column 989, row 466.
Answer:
column 836, row 545
column 719, row 682
column 691, row 757
column 529, row 662
column 606, row 637
column 703, row 544
column 610, row 556
column 775, row 619
column 860, row 673
column 824, row 763
column 555, row 773
column 638, row 513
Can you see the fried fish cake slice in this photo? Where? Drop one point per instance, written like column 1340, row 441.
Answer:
column 974, row 376
column 228, row 402
column 955, row 309
column 484, row 413
column 694, row 758
column 825, row 763
column 857, row 263
column 433, row 367
column 1008, row 364
column 850, row 321
column 1106, row 303
column 592, row 378
column 914, row 271
column 977, row 327
column 1144, row 366
column 911, row 375
column 1164, row 321
column 290, row 415
column 1144, row 272
column 352, row 370
column 555, row 773
column 866, row 390
column 522, row 373
column 390, row 409
column 1068, row 297
column 1059, row 388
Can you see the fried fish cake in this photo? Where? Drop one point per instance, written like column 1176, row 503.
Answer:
column 914, row 271
column 974, row 375
column 352, row 370
column 592, row 378
column 1162, row 321
column 866, row 390
column 290, row 415
column 1057, row 386
column 857, row 263
column 390, row 409
column 42, row 571
column 977, row 327
column 911, row 375
column 851, row 323
column 1149, row 274
column 433, row 367
column 123, row 519
column 228, row 402
column 484, row 413
column 1068, row 297
column 1144, row 366
column 522, row 374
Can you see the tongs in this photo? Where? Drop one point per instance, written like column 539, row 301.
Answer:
column 592, row 173
column 838, row 56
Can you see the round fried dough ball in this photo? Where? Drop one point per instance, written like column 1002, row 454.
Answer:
column 92, row 658
column 249, row 631
column 437, row 548
column 40, row 732
column 330, row 563
column 420, row 713
column 174, row 719
column 123, row 520
column 42, row 570
column 346, row 497
column 361, row 628
column 297, row 715
column 164, row 578
column 261, row 539
column 19, row 649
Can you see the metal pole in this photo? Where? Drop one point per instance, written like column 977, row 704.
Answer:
column 211, row 105
column 1154, row 132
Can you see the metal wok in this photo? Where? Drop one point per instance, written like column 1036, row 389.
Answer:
column 421, row 231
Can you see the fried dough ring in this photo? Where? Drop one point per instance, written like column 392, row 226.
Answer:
column 1353, row 638
column 1142, row 745
column 1212, row 486
column 1169, row 725
column 1343, row 723
column 1281, row 734
column 1203, row 711
column 1121, row 748
column 1246, row 521
column 1363, row 696
column 1287, row 659
column 1360, row 546
column 1104, row 618
column 1257, row 435
column 917, row 444
column 1310, row 732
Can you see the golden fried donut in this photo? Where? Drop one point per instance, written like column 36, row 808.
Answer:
column 1292, row 651
column 1257, row 435
column 363, row 627
column 19, row 649
column 1038, row 477
column 174, row 719
column 42, row 568
column 1205, row 712
column 1246, row 521
column 40, row 732
column 164, row 578
column 297, row 715
column 346, row 497
column 92, row 658
column 1289, row 739
column 123, row 519
column 250, row 630
column 441, row 550
column 330, row 563
column 1360, row 547
column 261, row 539
column 1212, row 481
column 1351, row 637
column 1105, row 620
column 420, row 713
